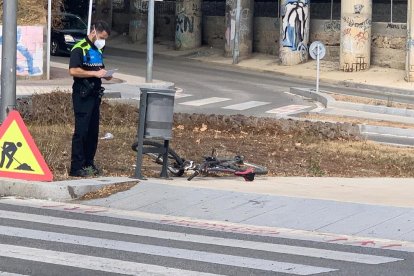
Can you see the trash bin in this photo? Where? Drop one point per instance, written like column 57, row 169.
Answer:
column 159, row 113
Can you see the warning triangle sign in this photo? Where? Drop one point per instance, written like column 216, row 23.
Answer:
column 19, row 156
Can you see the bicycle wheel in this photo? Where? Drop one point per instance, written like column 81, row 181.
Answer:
column 175, row 163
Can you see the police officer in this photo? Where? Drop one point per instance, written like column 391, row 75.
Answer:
column 87, row 68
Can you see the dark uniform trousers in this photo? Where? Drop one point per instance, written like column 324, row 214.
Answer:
column 85, row 137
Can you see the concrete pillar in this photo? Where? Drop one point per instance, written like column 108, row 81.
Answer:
column 187, row 24
column 103, row 11
column 356, row 25
column 294, row 31
column 139, row 21
column 246, row 28
column 409, row 64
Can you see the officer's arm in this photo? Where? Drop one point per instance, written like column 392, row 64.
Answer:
column 81, row 73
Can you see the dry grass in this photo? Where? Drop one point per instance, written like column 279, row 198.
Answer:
column 286, row 147
column 33, row 11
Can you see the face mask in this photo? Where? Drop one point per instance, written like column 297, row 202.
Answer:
column 99, row 43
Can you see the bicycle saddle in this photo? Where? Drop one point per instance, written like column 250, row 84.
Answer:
column 248, row 174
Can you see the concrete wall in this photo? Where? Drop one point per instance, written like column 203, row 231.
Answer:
column 213, row 31
column 388, row 44
column 164, row 27
column 388, row 41
column 266, row 33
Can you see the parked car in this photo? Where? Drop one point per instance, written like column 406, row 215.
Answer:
column 66, row 34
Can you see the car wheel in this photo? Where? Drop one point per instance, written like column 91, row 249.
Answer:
column 54, row 48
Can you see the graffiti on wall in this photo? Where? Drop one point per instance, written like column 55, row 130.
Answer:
column 140, row 6
column 29, row 50
column 231, row 24
column 332, row 26
column 184, row 23
column 295, row 16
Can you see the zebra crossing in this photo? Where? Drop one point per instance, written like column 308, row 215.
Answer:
column 222, row 103
column 45, row 239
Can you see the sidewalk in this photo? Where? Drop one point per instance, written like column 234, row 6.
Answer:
column 376, row 208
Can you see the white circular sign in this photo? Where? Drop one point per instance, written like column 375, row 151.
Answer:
column 313, row 50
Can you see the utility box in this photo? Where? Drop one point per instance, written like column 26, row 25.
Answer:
column 159, row 112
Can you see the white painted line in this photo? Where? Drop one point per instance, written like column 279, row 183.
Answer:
column 246, row 105
column 192, row 255
column 205, row 101
column 89, row 262
column 179, row 96
column 287, row 109
column 9, row 274
column 279, row 248
column 388, row 135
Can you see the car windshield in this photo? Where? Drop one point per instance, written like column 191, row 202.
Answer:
column 73, row 22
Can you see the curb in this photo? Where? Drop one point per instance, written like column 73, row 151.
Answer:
column 59, row 190
column 368, row 131
column 329, row 101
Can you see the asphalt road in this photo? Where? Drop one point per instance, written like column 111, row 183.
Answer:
column 222, row 89
column 49, row 238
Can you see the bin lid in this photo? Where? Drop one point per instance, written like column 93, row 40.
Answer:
column 165, row 91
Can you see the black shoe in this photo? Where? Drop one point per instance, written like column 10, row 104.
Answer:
column 79, row 173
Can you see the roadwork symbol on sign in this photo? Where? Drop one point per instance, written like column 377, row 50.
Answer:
column 20, row 158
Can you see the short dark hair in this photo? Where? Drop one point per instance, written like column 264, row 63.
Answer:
column 101, row 26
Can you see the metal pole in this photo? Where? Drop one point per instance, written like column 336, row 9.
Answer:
column 391, row 11
column 317, row 69
column 409, row 39
column 141, row 133
column 89, row 16
column 236, row 50
column 331, row 10
column 8, row 59
column 150, row 40
column 278, row 8
column 49, row 31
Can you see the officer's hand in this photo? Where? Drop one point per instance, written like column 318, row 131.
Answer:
column 100, row 73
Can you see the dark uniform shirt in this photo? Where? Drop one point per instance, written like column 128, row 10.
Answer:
column 85, row 55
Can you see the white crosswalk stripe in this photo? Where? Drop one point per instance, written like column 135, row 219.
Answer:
column 205, row 101
column 245, row 105
column 88, row 262
column 294, row 250
column 102, row 236
column 288, row 109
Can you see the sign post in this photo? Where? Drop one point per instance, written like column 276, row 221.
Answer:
column 317, row 51
column 8, row 59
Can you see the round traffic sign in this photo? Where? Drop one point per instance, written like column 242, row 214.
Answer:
column 313, row 50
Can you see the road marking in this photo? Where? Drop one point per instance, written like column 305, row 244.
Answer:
column 205, row 101
column 192, row 255
column 246, row 105
column 89, row 262
column 279, row 248
column 182, row 95
column 9, row 274
column 387, row 134
column 284, row 110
